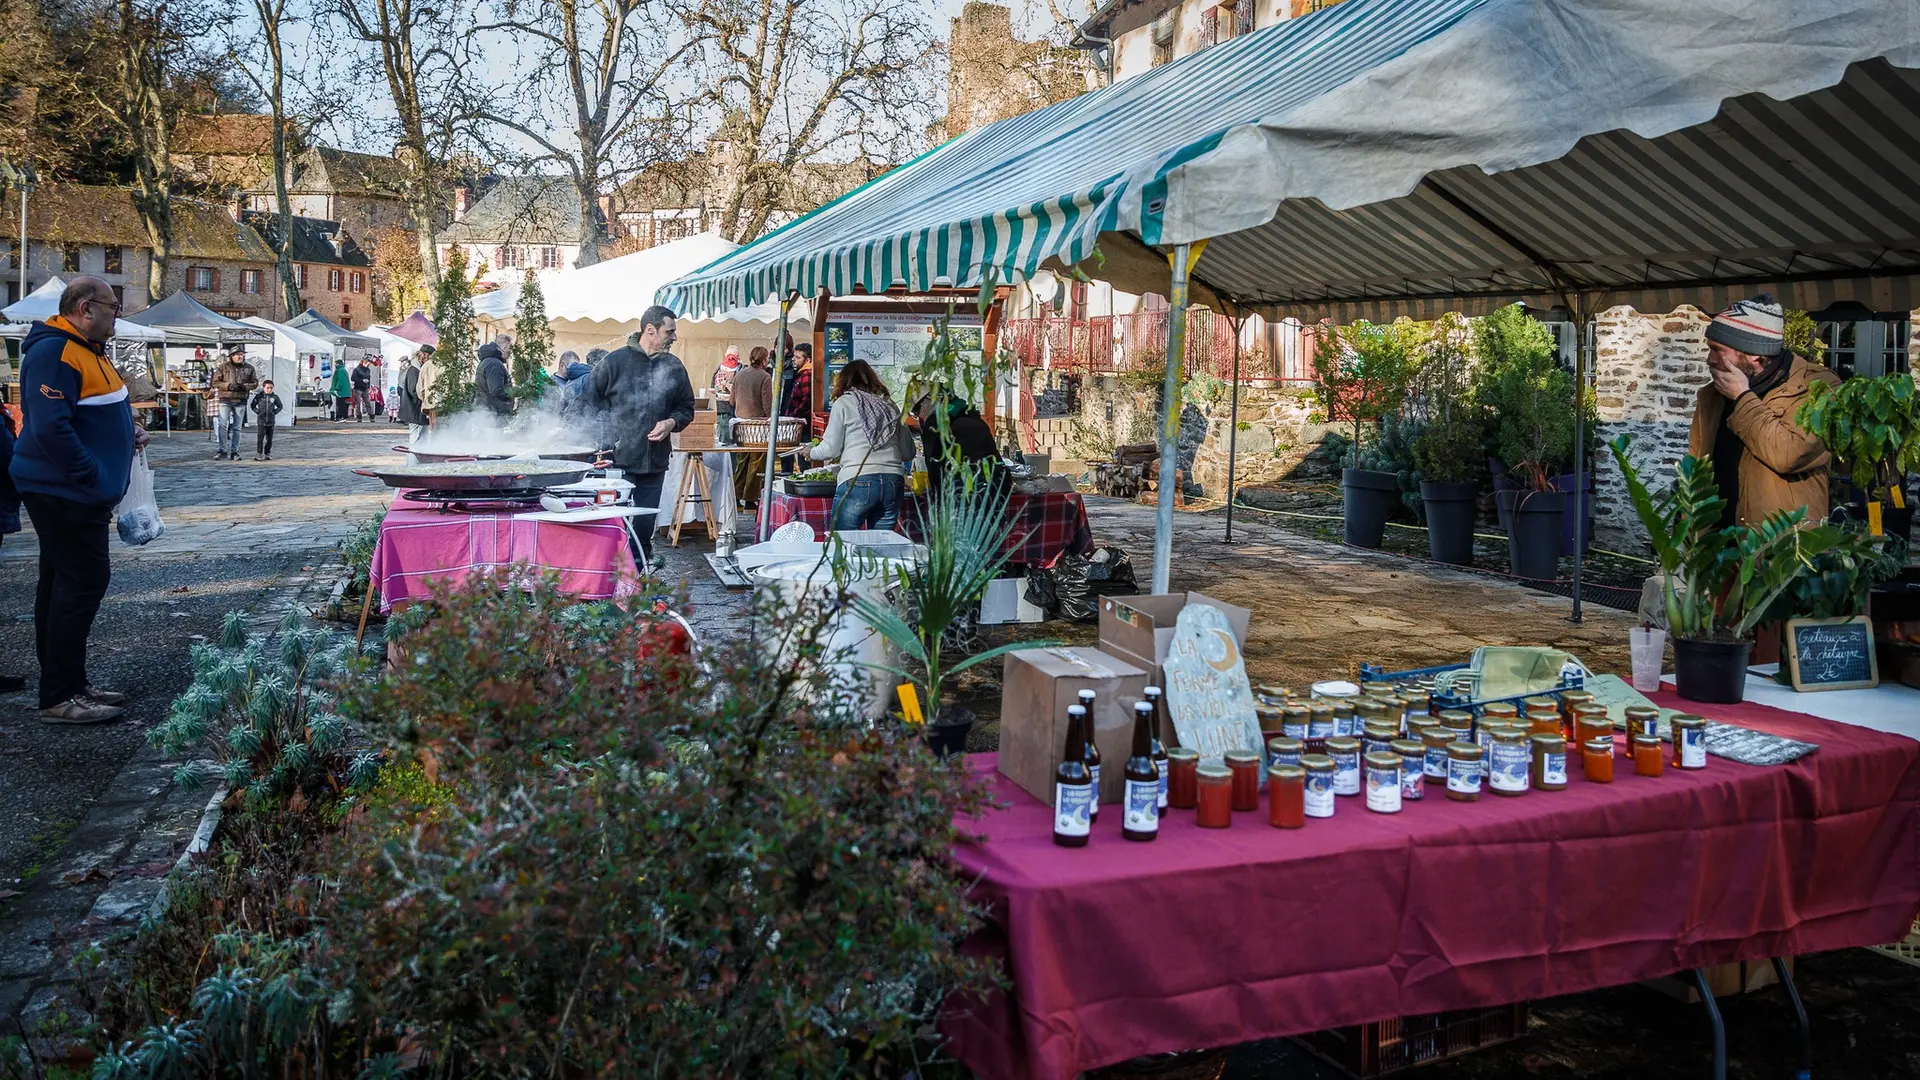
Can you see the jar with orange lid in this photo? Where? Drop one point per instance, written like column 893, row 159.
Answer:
column 1216, row 797
column 1413, row 771
column 1345, row 753
column 1244, row 765
column 1689, row 741
column 1596, row 760
column 1319, row 785
column 1647, row 759
column 1287, row 796
column 1464, row 761
column 1549, row 771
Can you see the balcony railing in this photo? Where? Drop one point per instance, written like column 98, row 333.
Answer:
column 1281, row 352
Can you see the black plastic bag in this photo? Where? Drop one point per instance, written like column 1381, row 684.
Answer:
column 1072, row 587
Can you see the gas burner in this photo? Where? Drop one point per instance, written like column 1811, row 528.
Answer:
column 515, row 498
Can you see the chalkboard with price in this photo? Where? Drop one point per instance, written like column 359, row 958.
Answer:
column 1831, row 654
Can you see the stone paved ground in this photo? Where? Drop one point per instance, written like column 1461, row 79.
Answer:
column 88, row 816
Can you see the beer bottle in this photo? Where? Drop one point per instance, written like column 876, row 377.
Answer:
column 1073, row 793
column 1139, row 804
column 1159, row 748
column 1093, row 747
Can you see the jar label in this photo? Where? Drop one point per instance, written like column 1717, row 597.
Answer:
column 1413, row 783
column 1463, row 776
column 1072, row 809
column 1556, row 769
column 1345, row 725
column 1142, row 809
column 1374, row 745
column 1161, row 765
column 1294, row 730
column 1319, row 794
column 1435, row 764
column 1693, row 748
column 1509, row 768
column 1346, row 774
column 1383, row 790
column 1285, row 757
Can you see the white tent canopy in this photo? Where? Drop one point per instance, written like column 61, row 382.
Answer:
column 43, row 303
column 187, row 321
column 283, row 359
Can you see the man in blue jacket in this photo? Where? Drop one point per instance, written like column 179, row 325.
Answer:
column 71, row 465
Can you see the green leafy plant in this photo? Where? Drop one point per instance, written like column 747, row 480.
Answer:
column 1839, row 580
column 1361, row 373
column 1452, row 427
column 1718, row 583
column 1803, row 337
column 1519, row 384
column 1872, row 425
column 453, row 386
column 532, row 361
column 1393, row 451
column 356, row 551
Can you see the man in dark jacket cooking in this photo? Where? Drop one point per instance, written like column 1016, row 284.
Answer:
column 491, row 376
column 643, row 396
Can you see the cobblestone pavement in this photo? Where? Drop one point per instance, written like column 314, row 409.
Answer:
column 89, row 820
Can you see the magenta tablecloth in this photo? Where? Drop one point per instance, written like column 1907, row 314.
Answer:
column 1210, row 937
column 1040, row 528
column 420, row 546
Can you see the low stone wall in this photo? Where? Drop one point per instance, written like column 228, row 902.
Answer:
column 1647, row 371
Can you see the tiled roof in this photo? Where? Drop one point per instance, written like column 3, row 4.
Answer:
column 226, row 133
column 521, row 210
column 96, row 214
column 312, row 239
column 327, row 171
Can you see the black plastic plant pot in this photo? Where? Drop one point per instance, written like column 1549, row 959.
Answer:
column 1712, row 671
column 1369, row 500
column 1533, row 532
column 947, row 735
column 1450, row 512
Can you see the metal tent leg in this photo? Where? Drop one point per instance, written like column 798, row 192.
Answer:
column 1719, row 1026
column 1799, row 1017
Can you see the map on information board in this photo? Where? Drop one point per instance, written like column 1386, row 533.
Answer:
column 892, row 343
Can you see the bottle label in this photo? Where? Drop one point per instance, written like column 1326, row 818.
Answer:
column 1161, row 765
column 1072, row 809
column 1319, row 794
column 1320, row 729
column 1556, row 769
column 1509, row 768
column 1693, row 748
column 1383, row 790
column 1283, row 757
column 1413, row 782
column 1294, row 730
column 1435, row 764
column 1095, row 770
column 1346, row 774
column 1142, row 809
column 1344, row 725
column 1463, row 776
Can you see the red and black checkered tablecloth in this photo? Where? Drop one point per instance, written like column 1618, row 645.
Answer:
column 1040, row 528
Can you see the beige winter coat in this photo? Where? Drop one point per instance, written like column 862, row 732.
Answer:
column 1783, row 467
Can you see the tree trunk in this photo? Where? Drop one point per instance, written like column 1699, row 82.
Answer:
column 289, row 286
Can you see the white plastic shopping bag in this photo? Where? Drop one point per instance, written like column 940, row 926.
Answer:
column 138, row 515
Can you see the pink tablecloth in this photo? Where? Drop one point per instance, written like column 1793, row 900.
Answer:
column 1209, row 937
column 419, row 546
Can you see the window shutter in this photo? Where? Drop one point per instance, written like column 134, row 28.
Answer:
column 1164, row 28
column 214, row 275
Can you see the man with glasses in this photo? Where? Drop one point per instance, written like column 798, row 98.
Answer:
column 71, row 465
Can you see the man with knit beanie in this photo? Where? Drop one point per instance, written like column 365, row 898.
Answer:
column 1743, row 419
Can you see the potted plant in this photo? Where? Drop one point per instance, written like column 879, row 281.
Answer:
column 1447, row 450
column 1519, row 384
column 1837, row 584
column 1717, row 583
column 1360, row 375
column 1871, row 426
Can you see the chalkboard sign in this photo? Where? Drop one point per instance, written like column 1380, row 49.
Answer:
column 1831, row 654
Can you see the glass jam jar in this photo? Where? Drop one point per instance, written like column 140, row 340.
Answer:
column 1293, row 721
column 1689, row 741
column 1319, row 800
column 1508, row 763
column 1344, row 721
column 1489, row 728
column 1642, row 720
column 1459, row 722
column 1244, row 767
column 1592, row 722
column 1647, row 759
column 1596, row 760
column 1287, row 796
column 1345, row 753
column 1413, row 770
column 1436, row 741
column 1182, row 788
column 1499, row 710
column 1216, row 797
column 1378, row 737
column 1545, row 721
column 1271, row 719
column 1319, row 724
column 1269, row 694
column 1549, row 771
column 1463, row 771
column 1383, row 783
column 1283, row 751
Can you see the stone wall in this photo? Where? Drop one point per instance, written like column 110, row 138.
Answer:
column 1647, row 370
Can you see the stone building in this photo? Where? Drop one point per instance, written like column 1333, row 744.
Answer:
column 993, row 75
column 225, row 152
column 1127, row 37
column 333, row 275
column 364, row 193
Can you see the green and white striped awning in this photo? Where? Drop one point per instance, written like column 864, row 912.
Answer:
column 1400, row 156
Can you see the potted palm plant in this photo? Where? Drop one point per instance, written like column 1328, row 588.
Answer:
column 1360, row 376
column 1872, row 426
column 1447, row 449
column 1718, row 583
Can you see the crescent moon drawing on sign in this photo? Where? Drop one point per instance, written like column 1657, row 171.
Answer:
column 1229, row 652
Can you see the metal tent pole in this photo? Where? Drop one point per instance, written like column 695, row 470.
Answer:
column 773, row 424
column 1579, row 454
column 1233, row 423
column 1183, row 258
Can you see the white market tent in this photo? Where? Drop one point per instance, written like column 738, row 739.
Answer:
column 392, row 348
column 1408, row 157
column 291, row 353
column 598, row 305
column 43, row 303
column 186, row 321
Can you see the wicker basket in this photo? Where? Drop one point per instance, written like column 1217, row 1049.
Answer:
column 1186, row 1065
column 754, row 432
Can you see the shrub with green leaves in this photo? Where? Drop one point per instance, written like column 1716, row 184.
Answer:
column 1520, row 384
column 1361, row 372
column 1871, row 425
column 261, row 707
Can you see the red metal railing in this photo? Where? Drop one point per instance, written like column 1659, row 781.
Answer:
column 1106, row 344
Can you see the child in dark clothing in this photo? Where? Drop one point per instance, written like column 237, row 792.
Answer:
column 265, row 406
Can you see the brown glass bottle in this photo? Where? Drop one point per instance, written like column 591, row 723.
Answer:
column 1093, row 746
column 1139, row 799
column 1073, row 794
column 1159, row 748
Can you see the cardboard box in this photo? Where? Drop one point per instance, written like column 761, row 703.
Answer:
column 1138, row 629
column 1006, row 602
column 1036, row 689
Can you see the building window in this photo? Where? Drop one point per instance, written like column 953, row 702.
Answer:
column 300, row 274
column 358, row 281
column 1866, row 345
column 249, row 281
column 509, row 256
column 200, row 278
column 70, row 258
column 1164, row 30
column 1243, row 18
column 115, row 260
column 1209, row 28
column 550, row 258
column 335, row 279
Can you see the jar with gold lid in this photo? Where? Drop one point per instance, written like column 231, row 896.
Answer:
column 1244, row 765
column 1271, row 720
column 1377, row 736
column 1287, row 796
column 1413, row 771
column 1318, row 796
column 1647, row 760
column 1549, row 771
column 1284, row 751
column 1464, row 762
column 1344, row 721
column 1293, row 721
column 1319, row 720
column 1216, row 797
column 1642, row 720
column 1436, row 742
column 1508, row 762
column 1269, row 694
column 1383, row 782
column 1689, row 741
column 1345, row 752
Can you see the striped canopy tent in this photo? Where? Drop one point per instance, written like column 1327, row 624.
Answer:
column 1408, row 157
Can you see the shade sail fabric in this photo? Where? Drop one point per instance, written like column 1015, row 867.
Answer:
column 417, row 328
column 186, row 321
column 1210, row 937
column 1383, row 154
column 619, row 290
column 318, row 325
